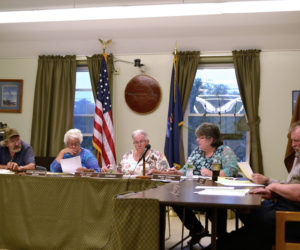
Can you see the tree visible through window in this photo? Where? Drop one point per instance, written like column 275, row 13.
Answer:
column 84, row 107
column 215, row 98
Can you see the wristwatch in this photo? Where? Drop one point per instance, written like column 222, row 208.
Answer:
column 22, row 168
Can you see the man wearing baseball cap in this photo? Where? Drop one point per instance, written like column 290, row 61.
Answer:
column 15, row 154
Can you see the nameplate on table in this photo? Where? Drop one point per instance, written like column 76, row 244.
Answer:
column 166, row 177
column 86, row 174
column 36, row 172
column 110, row 175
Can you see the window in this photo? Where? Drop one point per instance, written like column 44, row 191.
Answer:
column 215, row 98
column 84, row 107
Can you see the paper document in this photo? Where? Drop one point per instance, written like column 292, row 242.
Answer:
column 229, row 192
column 246, row 169
column 213, row 187
column 6, row 171
column 237, row 183
column 71, row 164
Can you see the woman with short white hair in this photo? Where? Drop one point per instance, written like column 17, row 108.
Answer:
column 155, row 161
column 73, row 139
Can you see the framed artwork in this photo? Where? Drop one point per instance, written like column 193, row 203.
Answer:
column 11, row 92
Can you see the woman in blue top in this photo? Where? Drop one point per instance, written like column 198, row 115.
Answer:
column 210, row 149
column 73, row 139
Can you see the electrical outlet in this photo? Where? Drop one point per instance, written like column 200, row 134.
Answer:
column 117, row 71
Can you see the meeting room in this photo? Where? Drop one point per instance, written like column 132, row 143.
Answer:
column 160, row 124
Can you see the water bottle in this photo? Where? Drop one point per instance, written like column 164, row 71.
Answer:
column 189, row 168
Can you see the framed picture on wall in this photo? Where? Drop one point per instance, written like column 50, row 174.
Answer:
column 295, row 94
column 11, row 92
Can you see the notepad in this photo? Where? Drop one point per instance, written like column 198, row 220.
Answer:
column 70, row 165
column 246, row 169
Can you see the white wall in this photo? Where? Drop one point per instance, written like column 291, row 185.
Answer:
column 280, row 74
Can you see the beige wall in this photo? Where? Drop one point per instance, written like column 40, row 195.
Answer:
column 20, row 69
column 280, row 74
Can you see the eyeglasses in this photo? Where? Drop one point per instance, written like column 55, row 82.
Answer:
column 203, row 137
column 139, row 142
column 14, row 141
column 73, row 145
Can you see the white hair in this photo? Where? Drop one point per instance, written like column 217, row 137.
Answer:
column 73, row 133
column 140, row 131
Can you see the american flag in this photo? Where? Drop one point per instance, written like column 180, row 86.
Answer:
column 103, row 136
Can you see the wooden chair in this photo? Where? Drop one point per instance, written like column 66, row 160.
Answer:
column 281, row 218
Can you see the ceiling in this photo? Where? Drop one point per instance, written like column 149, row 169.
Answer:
column 211, row 33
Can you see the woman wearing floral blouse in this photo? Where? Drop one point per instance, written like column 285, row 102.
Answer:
column 155, row 161
column 210, row 149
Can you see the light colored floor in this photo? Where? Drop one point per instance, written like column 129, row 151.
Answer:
column 176, row 228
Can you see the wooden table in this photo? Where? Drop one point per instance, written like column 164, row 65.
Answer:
column 182, row 194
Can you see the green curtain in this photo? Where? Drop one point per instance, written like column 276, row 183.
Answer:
column 247, row 70
column 94, row 65
column 53, row 103
column 187, row 64
column 187, row 67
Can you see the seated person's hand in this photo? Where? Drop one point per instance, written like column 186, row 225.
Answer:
column 156, row 171
column 71, row 151
column 174, row 171
column 84, row 169
column 206, row 172
column 260, row 179
column 104, row 169
column 13, row 166
column 266, row 193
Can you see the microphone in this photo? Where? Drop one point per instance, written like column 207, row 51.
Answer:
column 147, row 147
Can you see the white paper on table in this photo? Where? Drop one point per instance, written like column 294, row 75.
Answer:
column 233, row 192
column 213, row 187
column 6, row 171
column 71, row 164
column 240, row 184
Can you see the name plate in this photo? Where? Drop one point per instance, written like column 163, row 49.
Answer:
column 36, row 172
column 86, row 174
column 166, row 177
column 110, row 175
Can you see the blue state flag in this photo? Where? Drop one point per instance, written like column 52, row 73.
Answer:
column 175, row 120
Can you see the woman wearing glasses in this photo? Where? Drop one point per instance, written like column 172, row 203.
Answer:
column 73, row 139
column 155, row 160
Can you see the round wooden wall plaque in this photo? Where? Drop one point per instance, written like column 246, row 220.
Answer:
column 142, row 94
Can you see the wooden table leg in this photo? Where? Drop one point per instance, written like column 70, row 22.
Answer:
column 214, row 222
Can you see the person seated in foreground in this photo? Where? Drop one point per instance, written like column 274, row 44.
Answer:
column 210, row 149
column 258, row 231
column 73, row 139
column 15, row 155
column 155, row 161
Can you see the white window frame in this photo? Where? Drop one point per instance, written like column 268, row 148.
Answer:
column 83, row 68
column 187, row 112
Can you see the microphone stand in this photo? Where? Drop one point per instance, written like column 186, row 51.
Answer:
column 144, row 171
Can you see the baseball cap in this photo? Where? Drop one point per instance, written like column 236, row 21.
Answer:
column 9, row 133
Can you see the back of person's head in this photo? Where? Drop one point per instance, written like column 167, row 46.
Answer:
column 210, row 130
column 140, row 131
column 8, row 134
column 73, row 133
